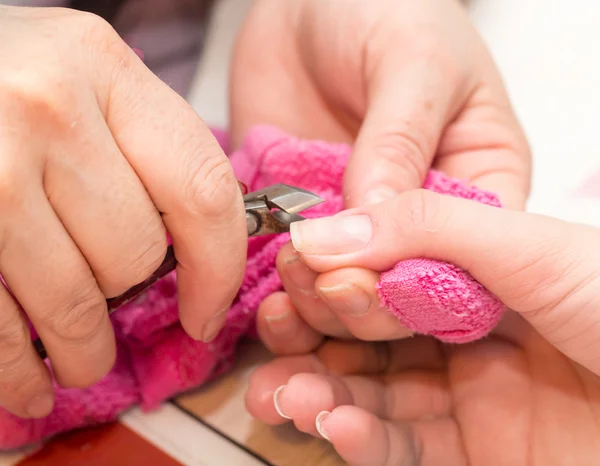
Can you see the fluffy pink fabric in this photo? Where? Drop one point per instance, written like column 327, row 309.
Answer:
column 157, row 360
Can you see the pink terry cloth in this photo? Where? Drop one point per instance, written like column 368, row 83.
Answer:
column 157, row 360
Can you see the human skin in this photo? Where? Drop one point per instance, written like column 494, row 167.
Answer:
column 529, row 394
column 411, row 86
column 98, row 159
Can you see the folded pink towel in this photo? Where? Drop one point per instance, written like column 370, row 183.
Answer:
column 157, row 360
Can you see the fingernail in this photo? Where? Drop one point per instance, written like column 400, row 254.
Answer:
column 40, row 405
column 340, row 234
column 377, row 195
column 282, row 323
column 346, row 298
column 276, row 402
column 300, row 275
column 319, row 423
column 214, row 325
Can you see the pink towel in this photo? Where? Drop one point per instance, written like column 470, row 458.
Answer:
column 157, row 360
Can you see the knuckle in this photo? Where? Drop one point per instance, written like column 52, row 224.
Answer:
column 400, row 149
column 418, row 212
column 544, row 275
column 136, row 266
column 97, row 33
column 211, row 189
column 81, row 318
column 36, row 99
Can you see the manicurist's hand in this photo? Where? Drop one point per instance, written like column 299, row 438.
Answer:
column 409, row 83
column 98, row 159
column 528, row 394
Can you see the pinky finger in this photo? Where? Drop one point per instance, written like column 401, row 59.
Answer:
column 361, row 438
column 282, row 329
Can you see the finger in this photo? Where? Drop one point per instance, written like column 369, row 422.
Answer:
column 404, row 396
column 282, row 330
column 188, row 177
column 541, row 267
column 486, row 146
column 338, row 357
column 358, row 357
column 351, row 294
column 53, row 283
column 361, row 438
column 25, row 385
column 299, row 282
column 411, row 99
column 265, row 380
column 104, row 207
column 493, row 381
column 305, row 395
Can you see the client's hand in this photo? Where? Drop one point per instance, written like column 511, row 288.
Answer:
column 529, row 394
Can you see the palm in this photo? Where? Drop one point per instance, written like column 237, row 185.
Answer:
column 492, row 402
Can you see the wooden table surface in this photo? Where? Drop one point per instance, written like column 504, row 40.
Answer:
column 221, row 405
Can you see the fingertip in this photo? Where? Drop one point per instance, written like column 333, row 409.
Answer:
column 282, row 330
column 260, row 395
column 360, row 437
column 86, row 362
column 203, row 305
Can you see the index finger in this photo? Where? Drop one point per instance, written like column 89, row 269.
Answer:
column 189, row 179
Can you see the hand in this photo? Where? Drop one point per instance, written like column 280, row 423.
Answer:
column 529, row 394
column 98, row 159
column 409, row 83
column 498, row 401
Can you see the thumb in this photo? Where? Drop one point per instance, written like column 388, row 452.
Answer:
column 409, row 105
column 543, row 268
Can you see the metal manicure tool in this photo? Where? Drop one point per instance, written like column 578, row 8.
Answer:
column 268, row 211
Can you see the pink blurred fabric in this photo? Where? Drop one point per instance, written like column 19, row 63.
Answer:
column 591, row 187
column 157, row 360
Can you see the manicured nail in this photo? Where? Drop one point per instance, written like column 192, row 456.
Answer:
column 377, row 195
column 340, row 234
column 214, row 326
column 300, row 275
column 40, row 405
column 282, row 323
column 276, row 402
column 319, row 423
column 346, row 298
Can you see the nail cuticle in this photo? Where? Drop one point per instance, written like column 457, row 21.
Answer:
column 347, row 298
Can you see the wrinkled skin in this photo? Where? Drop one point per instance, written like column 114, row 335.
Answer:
column 98, row 160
